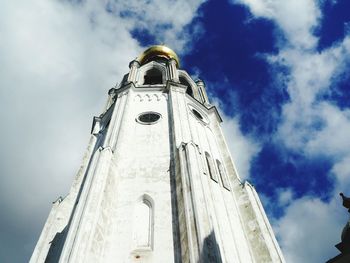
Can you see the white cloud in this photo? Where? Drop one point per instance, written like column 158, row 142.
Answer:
column 310, row 229
column 333, row 138
column 296, row 18
column 310, row 125
column 58, row 60
column 285, row 196
column 242, row 147
column 56, row 69
column 165, row 19
column 342, row 171
column 313, row 126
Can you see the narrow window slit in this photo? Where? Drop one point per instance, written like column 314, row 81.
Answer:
column 223, row 176
column 210, row 167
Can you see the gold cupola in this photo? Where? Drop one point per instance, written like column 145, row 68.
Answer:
column 158, row 51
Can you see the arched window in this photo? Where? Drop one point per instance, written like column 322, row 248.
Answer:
column 210, row 167
column 153, row 76
column 189, row 90
column 143, row 224
column 223, row 175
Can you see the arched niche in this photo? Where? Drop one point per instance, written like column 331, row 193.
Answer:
column 143, row 229
column 184, row 82
column 152, row 77
column 192, row 88
column 152, row 73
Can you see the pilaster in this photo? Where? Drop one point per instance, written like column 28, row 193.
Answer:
column 173, row 74
column 202, row 91
column 202, row 239
column 153, row 186
column 111, row 98
column 83, row 222
column 178, row 112
column 116, row 119
column 134, row 65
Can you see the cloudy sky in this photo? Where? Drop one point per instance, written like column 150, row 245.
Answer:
column 279, row 71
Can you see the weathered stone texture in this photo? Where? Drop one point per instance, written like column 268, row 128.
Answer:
column 166, row 191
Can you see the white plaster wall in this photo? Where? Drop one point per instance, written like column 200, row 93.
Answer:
column 237, row 240
column 140, row 165
column 133, row 161
column 219, row 201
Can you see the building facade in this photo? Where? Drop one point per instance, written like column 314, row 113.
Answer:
column 157, row 183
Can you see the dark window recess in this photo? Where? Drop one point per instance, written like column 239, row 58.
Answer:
column 197, row 114
column 153, row 76
column 189, row 90
column 125, row 79
column 149, row 117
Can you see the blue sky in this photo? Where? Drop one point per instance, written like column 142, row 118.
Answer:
column 278, row 71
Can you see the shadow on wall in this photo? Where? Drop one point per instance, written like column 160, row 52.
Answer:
column 210, row 252
column 56, row 247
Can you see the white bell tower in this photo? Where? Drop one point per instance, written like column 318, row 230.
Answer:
column 157, row 183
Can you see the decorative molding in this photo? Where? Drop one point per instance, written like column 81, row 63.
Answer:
column 139, row 97
column 192, row 106
column 144, row 68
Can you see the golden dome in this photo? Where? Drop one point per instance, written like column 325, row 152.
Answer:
column 158, row 51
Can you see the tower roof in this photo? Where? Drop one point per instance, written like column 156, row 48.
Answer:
column 158, row 51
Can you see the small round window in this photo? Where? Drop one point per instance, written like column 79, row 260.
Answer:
column 197, row 114
column 148, row 117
